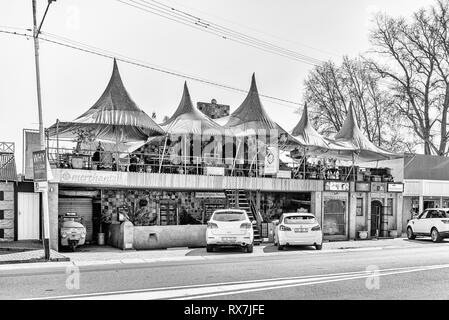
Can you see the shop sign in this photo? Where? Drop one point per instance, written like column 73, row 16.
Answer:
column 378, row 187
column 362, row 187
column 40, row 165
column 92, row 177
column 284, row 174
column 31, row 139
column 210, row 195
column 395, row 187
column 271, row 163
column 215, row 171
column 40, row 186
column 336, row 186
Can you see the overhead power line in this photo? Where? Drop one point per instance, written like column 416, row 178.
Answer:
column 187, row 19
column 68, row 43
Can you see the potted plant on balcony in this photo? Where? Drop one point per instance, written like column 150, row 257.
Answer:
column 82, row 136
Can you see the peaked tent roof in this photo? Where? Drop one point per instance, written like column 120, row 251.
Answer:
column 189, row 120
column 350, row 139
column 115, row 116
column 306, row 134
column 251, row 117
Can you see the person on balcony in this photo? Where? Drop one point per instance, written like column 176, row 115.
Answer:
column 134, row 160
column 96, row 157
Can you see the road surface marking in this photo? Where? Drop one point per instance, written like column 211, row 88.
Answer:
column 229, row 288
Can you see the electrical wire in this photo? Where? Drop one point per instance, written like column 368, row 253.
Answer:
column 185, row 18
column 111, row 55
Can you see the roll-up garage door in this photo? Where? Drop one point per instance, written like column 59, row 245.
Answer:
column 83, row 208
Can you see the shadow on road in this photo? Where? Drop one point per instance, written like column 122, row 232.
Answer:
column 203, row 252
column 273, row 248
column 426, row 241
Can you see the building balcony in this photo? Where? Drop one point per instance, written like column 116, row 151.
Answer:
column 181, row 173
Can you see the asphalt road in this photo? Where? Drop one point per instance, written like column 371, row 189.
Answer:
column 399, row 273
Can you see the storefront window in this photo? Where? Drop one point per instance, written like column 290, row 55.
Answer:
column 359, row 207
column 274, row 204
column 445, row 203
column 334, row 217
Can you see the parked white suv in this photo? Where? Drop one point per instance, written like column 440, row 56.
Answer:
column 229, row 228
column 433, row 222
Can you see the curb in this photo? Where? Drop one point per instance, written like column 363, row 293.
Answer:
column 35, row 260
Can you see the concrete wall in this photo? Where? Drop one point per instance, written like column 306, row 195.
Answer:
column 159, row 237
column 7, row 205
column 315, row 206
column 121, row 235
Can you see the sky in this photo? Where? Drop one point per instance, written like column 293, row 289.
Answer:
column 72, row 81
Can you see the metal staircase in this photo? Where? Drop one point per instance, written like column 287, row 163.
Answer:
column 239, row 199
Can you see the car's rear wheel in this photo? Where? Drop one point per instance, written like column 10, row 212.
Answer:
column 249, row 248
column 318, row 246
column 209, row 248
column 435, row 235
column 410, row 234
column 280, row 247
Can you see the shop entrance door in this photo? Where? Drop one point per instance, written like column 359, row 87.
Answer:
column 334, row 218
column 376, row 216
column 168, row 212
column 28, row 216
column 429, row 204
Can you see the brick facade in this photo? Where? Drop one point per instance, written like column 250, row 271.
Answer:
column 7, row 211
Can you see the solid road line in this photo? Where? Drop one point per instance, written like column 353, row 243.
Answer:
column 229, row 288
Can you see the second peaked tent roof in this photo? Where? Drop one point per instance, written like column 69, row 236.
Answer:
column 251, row 115
column 189, row 120
column 251, row 118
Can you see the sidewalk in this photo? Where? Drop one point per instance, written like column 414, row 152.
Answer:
column 99, row 255
column 30, row 256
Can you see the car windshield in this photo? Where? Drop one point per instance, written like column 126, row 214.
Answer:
column 299, row 220
column 229, row 216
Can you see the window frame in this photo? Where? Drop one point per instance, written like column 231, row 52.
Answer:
column 361, row 207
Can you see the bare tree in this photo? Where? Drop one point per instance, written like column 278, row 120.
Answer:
column 415, row 55
column 329, row 89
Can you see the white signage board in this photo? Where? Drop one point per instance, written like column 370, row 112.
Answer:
column 395, row 187
column 215, row 171
column 284, row 174
column 40, row 186
column 271, row 163
column 336, row 186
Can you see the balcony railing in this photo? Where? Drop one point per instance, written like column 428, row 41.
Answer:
column 207, row 165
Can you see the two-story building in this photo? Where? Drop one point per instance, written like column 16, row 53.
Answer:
column 192, row 165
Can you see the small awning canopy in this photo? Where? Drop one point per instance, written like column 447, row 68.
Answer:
column 114, row 117
column 189, row 120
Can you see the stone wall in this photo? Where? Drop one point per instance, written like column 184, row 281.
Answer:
column 7, row 211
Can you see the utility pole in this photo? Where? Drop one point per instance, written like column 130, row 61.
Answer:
column 46, row 218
